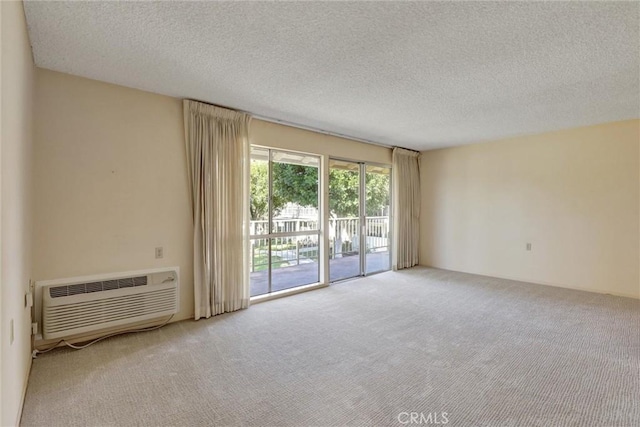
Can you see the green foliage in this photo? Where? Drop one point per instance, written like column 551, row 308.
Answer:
column 262, row 262
column 298, row 184
column 378, row 192
column 291, row 183
column 344, row 193
column 259, row 181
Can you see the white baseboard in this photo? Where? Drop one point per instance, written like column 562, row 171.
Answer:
column 24, row 393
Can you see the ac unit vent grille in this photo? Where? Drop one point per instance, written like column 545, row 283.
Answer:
column 107, row 285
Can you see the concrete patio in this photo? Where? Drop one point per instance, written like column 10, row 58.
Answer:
column 304, row 274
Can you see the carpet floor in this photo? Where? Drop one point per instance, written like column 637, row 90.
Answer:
column 420, row 346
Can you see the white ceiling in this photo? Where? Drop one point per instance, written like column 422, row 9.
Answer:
column 415, row 74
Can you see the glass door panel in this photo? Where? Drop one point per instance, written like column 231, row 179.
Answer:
column 294, row 194
column 344, row 220
column 259, row 266
column 284, row 220
column 377, row 219
column 294, row 261
column 259, row 191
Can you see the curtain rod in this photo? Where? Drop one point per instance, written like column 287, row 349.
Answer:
column 408, row 149
column 299, row 126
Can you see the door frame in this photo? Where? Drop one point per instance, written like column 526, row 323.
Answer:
column 362, row 195
column 271, row 235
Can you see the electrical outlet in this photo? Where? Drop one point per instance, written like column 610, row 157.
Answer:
column 159, row 252
column 528, row 246
column 11, row 332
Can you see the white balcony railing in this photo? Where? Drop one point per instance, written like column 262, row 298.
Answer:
column 343, row 236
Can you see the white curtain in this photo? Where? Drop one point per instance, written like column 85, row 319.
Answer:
column 406, row 208
column 217, row 161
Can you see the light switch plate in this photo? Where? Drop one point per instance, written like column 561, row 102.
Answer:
column 28, row 300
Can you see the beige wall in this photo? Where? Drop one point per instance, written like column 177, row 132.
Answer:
column 111, row 182
column 285, row 137
column 111, row 179
column 573, row 194
column 15, row 227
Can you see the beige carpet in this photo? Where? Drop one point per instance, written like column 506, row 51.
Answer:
column 488, row 352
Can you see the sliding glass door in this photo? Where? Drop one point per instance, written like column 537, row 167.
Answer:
column 344, row 220
column 359, row 204
column 377, row 219
column 284, row 227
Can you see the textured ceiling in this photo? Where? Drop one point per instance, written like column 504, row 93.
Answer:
column 419, row 75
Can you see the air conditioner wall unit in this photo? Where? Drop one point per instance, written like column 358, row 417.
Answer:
column 86, row 304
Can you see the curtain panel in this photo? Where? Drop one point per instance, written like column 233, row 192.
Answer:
column 217, row 147
column 406, row 208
